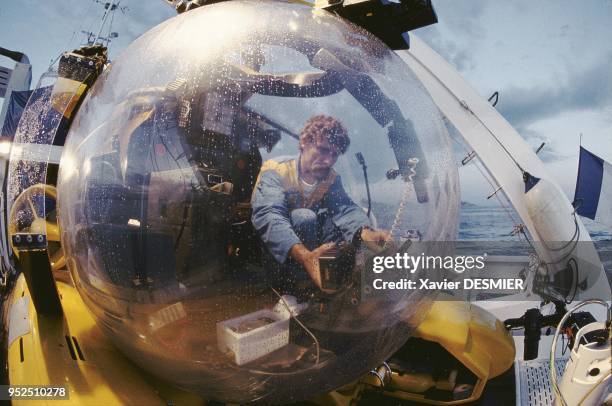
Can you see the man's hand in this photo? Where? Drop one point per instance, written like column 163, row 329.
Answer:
column 310, row 261
column 375, row 240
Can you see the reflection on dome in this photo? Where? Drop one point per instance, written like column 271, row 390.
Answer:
column 182, row 261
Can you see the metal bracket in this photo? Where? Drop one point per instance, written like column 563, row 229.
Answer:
column 494, row 193
column 494, row 98
column 383, row 373
column 34, row 261
column 471, row 155
column 29, row 242
column 518, row 229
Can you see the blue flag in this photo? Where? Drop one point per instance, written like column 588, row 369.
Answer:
column 593, row 195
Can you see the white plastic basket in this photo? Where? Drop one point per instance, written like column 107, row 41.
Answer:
column 255, row 343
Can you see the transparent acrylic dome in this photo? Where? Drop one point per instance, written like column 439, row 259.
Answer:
column 155, row 188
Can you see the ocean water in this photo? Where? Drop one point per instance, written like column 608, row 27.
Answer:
column 494, row 224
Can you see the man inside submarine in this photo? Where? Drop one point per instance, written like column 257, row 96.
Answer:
column 302, row 213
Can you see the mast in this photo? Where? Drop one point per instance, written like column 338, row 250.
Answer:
column 109, row 8
column 109, row 11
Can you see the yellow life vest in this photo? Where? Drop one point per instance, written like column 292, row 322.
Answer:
column 287, row 170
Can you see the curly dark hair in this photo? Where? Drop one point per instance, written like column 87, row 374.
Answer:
column 321, row 126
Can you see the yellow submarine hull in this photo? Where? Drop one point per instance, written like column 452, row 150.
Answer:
column 72, row 352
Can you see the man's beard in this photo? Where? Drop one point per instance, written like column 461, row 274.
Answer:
column 320, row 173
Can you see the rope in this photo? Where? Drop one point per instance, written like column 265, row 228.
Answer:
column 412, row 163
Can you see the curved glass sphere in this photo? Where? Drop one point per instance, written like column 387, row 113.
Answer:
column 158, row 175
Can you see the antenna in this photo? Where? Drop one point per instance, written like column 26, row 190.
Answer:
column 110, row 7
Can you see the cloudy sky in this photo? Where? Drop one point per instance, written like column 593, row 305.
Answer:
column 550, row 60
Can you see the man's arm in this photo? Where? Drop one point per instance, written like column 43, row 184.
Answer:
column 271, row 216
column 310, row 261
column 352, row 219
